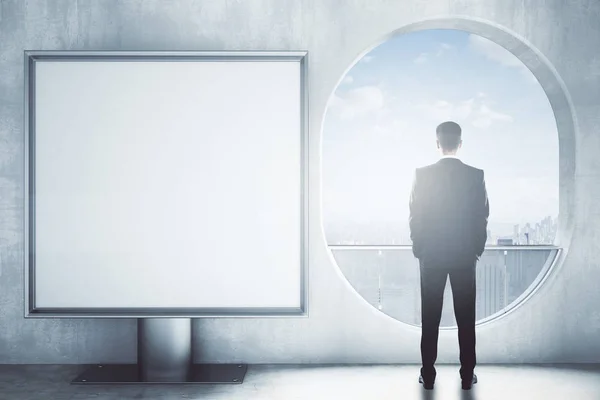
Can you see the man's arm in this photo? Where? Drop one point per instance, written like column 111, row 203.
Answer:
column 415, row 217
column 481, row 218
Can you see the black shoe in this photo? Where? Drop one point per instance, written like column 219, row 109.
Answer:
column 426, row 384
column 467, row 384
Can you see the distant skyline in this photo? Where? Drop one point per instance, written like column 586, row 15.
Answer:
column 381, row 120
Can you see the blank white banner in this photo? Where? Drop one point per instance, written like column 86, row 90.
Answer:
column 168, row 184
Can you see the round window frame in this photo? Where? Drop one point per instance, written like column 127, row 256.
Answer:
column 566, row 123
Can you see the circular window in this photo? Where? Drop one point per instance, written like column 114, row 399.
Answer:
column 380, row 126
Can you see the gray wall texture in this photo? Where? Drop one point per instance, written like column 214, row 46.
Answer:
column 557, row 39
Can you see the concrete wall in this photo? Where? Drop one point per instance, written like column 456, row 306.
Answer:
column 560, row 323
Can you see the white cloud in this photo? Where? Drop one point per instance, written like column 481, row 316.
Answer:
column 348, row 80
column 424, row 57
column 474, row 110
column 486, row 117
column 358, row 102
column 367, row 59
column 485, row 110
column 444, row 47
column 421, row 58
column 464, row 109
column 482, row 123
column 394, row 127
column 442, row 110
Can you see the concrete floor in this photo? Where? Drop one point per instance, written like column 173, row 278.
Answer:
column 283, row 382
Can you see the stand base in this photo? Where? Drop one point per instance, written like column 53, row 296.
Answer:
column 128, row 374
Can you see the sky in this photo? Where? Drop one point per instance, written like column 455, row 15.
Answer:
column 381, row 119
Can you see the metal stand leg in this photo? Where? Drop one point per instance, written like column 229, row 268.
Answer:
column 164, row 350
column 164, row 356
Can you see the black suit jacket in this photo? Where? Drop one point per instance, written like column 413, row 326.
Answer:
column 449, row 212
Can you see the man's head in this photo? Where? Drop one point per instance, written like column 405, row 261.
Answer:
column 448, row 137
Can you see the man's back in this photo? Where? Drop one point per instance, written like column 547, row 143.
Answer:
column 448, row 212
column 448, row 226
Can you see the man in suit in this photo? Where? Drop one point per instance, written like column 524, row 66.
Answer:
column 449, row 211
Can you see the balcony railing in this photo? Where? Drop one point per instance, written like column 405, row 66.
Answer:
column 387, row 276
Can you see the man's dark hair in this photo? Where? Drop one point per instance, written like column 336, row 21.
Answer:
column 448, row 133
